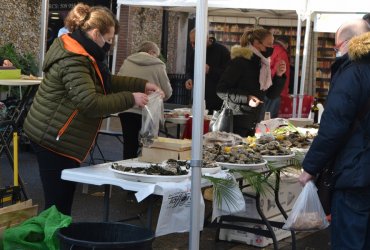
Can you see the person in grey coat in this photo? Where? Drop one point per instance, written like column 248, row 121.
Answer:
column 144, row 64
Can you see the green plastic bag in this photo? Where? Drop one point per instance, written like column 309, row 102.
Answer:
column 37, row 233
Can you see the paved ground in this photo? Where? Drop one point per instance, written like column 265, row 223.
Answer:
column 89, row 206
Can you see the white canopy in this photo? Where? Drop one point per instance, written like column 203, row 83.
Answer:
column 338, row 6
column 237, row 4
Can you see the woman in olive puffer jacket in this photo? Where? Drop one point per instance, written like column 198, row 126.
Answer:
column 76, row 92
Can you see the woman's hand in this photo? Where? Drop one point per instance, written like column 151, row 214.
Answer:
column 281, row 68
column 253, row 101
column 152, row 87
column 141, row 99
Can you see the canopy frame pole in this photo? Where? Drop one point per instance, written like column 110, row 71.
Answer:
column 296, row 65
column 304, row 63
column 196, row 163
column 43, row 27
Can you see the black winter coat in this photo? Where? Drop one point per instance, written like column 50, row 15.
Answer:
column 218, row 56
column 241, row 78
column 348, row 95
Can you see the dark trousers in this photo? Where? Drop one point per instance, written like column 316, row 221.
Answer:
column 244, row 125
column 131, row 125
column 56, row 191
column 350, row 214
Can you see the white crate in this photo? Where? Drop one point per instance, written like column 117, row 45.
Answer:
column 253, row 239
column 288, row 193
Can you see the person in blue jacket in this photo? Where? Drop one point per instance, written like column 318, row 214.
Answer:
column 349, row 94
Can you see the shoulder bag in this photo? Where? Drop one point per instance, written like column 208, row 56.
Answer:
column 222, row 120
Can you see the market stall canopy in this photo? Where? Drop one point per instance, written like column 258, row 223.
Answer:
column 247, row 8
column 259, row 8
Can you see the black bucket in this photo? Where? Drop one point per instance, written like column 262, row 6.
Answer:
column 104, row 236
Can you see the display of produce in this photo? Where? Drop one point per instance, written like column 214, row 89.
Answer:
column 223, row 138
column 237, row 154
column 152, row 169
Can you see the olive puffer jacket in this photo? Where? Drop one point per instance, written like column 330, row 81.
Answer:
column 68, row 107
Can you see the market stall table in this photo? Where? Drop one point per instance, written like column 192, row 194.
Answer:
column 101, row 175
column 16, row 118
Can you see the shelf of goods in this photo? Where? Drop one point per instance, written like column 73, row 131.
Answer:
column 229, row 34
column 325, row 57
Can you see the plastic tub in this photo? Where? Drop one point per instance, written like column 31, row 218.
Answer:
column 104, row 236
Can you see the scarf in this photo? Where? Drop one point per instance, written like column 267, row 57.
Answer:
column 265, row 71
column 99, row 55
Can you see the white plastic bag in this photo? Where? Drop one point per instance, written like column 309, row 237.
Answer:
column 307, row 213
column 152, row 116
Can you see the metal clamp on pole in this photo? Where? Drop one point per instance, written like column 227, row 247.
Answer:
column 196, row 163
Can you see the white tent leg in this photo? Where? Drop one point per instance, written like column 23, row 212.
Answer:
column 198, row 119
column 296, row 66
column 304, row 63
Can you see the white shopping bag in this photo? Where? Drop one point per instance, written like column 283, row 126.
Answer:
column 175, row 210
column 228, row 207
column 307, row 213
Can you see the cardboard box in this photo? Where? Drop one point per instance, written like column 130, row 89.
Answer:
column 15, row 214
column 253, row 239
column 10, row 73
column 158, row 155
column 171, row 144
column 288, row 192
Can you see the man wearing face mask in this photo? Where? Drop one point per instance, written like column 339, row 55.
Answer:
column 347, row 116
column 76, row 92
column 247, row 79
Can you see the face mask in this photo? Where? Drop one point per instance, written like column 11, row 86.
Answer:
column 268, row 52
column 106, row 46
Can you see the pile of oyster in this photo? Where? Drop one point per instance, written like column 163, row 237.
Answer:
column 153, row 169
column 186, row 164
column 236, row 154
column 223, row 138
column 296, row 140
column 272, row 148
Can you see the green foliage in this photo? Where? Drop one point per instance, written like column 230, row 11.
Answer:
column 222, row 189
column 26, row 62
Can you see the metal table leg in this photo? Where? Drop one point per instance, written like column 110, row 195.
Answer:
column 106, row 202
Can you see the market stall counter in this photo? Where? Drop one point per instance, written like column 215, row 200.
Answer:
column 174, row 192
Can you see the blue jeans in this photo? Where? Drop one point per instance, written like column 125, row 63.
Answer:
column 350, row 213
column 272, row 106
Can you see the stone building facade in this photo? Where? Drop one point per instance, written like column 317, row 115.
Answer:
column 141, row 24
column 21, row 19
column 20, row 25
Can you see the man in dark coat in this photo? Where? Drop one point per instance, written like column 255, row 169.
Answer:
column 348, row 96
column 218, row 57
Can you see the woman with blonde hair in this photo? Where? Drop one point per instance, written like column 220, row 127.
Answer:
column 247, row 79
column 76, row 92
